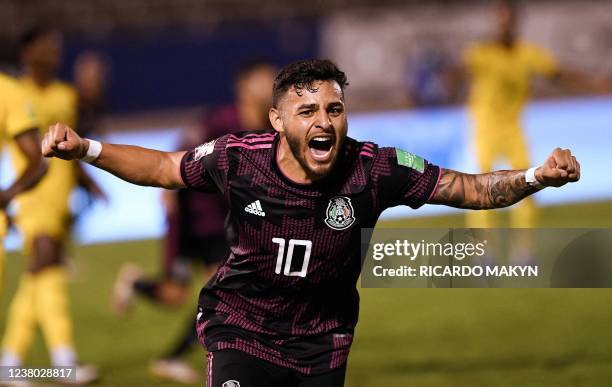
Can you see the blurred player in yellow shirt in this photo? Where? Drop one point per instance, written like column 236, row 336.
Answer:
column 501, row 72
column 44, row 218
column 19, row 128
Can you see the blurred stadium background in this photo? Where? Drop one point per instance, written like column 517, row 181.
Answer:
column 168, row 60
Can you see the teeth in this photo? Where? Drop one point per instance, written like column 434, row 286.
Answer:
column 321, row 138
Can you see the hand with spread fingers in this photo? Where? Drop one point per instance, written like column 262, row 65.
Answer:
column 63, row 142
column 559, row 169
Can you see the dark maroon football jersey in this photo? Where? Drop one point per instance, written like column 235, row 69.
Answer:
column 287, row 292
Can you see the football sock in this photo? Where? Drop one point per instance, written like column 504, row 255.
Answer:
column 9, row 359
column 185, row 343
column 63, row 357
column 147, row 288
column 21, row 318
column 52, row 307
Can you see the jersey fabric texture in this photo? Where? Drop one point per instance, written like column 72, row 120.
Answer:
column 287, row 291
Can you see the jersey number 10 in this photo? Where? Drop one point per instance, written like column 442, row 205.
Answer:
column 281, row 253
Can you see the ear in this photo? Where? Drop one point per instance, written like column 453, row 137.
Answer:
column 276, row 120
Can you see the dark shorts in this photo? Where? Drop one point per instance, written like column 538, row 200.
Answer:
column 206, row 251
column 233, row 368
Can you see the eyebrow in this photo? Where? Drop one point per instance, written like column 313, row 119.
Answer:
column 308, row 106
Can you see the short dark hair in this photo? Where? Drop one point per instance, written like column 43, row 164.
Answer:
column 302, row 74
column 34, row 33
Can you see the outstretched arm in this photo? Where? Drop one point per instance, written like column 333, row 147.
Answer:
column 484, row 191
column 581, row 82
column 503, row 188
column 133, row 164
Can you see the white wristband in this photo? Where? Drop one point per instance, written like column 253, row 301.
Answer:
column 93, row 152
column 530, row 178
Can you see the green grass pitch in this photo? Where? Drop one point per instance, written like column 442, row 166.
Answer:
column 405, row 337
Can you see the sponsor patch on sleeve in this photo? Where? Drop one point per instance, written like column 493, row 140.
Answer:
column 410, row 160
column 204, row 150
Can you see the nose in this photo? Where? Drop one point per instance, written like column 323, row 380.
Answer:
column 323, row 120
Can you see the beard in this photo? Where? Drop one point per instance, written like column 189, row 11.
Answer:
column 296, row 149
column 295, row 145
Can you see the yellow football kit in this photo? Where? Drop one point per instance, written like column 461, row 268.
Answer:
column 16, row 116
column 42, row 297
column 44, row 210
column 500, row 88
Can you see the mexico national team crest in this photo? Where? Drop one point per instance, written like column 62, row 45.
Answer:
column 340, row 214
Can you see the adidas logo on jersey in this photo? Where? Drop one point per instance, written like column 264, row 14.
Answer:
column 255, row 209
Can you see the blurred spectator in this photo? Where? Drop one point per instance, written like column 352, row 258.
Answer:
column 429, row 78
column 90, row 73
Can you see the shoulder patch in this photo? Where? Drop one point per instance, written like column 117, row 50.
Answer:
column 410, row 160
column 204, row 150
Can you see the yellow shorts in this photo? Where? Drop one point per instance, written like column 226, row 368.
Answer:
column 502, row 142
column 512, row 148
column 54, row 223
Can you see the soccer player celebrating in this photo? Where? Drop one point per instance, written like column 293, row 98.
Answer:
column 43, row 217
column 282, row 308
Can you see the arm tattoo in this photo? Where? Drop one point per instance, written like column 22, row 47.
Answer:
column 484, row 191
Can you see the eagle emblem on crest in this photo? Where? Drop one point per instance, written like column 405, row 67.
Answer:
column 340, row 214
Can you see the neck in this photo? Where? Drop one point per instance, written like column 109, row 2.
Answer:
column 506, row 40
column 40, row 78
column 288, row 164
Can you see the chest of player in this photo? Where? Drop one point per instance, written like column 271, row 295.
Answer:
column 509, row 71
column 51, row 106
column 300, row 210
column 288, row 234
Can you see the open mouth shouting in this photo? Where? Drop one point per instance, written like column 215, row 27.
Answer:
column 321, row 147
